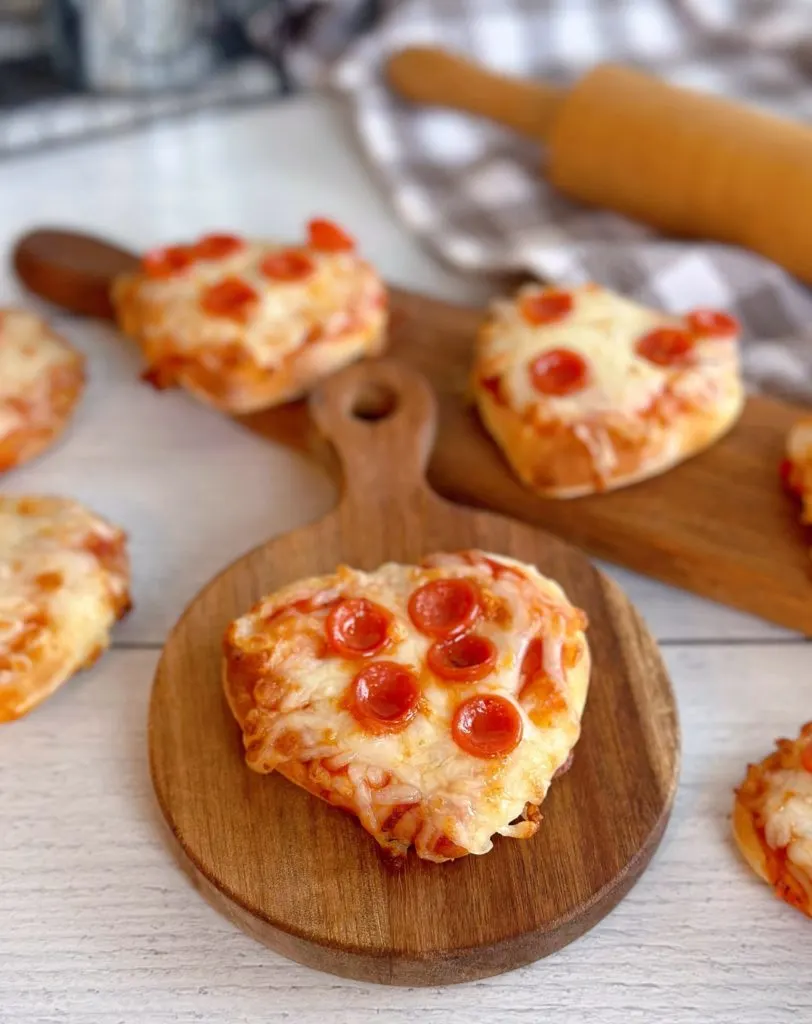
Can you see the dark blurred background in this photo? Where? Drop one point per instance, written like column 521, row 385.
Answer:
column 74, row 68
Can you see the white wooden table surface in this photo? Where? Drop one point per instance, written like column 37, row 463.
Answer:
column 97, row 925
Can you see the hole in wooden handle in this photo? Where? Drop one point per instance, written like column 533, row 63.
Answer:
column 375, row 401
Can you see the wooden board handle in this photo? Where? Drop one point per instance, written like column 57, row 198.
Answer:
column 381, row 417
column 434, row 76
column 71, row 270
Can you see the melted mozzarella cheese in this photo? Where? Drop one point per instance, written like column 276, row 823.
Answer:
column 57, row 599
column 340, row 288
column 469, row 798
column 799, row 441
column 603, row 328
column 29, row 352
column 787, row 814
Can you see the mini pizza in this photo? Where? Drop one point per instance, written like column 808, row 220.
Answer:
column 772, row 819
column 41, row 380
column 796, row 468
column 64, row 579
column 586, row 391
column 435, row 702
column 246, row 325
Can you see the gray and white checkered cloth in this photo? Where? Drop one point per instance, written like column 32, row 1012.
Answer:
column 472, row 190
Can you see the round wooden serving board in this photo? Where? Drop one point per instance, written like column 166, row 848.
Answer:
column 303, row 877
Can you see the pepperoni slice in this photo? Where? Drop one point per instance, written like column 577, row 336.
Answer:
column 487, row 726
column 443, row 607
column 230, row 298
column 666, row 346
column 711, row 323
column 384, row 696
column 462, row 659
column 357, row 628
column 325, row 236
column 287, row 265
column 545, row 307
column 558, row 372
column 217, row 247
column 806, row 757
column 160, row 263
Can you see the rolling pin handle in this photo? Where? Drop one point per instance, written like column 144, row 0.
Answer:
column 433, row 76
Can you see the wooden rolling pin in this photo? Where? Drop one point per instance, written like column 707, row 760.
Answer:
column 686, row 163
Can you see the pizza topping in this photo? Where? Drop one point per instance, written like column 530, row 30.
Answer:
column 789, row 478
column 462, row 659
column 806, row 757
column 287, row 265
column 545, row 307
column 487, row 726
column 493, row 385
column 558, row 372
column 325, row 236
column 666, row 346
column 384, row 696
column 217, row 247
column 532, row 663
column 228, row 298
column 443, row 607
column 357, row 627
column 161, row 263
column 710, row 323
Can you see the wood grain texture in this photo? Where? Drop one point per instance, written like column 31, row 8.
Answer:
column 304, row 878
column 718, row 525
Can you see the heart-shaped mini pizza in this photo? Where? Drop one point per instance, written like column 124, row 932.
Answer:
column 584, row 390
column 436, row 701
column 246, row 325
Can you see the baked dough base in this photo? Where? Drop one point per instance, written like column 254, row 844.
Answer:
column 556, row 463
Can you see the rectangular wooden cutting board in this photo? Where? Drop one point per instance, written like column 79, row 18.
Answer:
column 719, row 525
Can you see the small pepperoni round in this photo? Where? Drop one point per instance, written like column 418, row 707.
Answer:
column 666, row 346
column 174, row 259
column 558, row 372
column 358, row 628
column 487, row 726
column 545, row 307
column 462, row 659
column 806, row 758
column 711, row 323
column 442, row 607
column 230, row 298
column 217, row 247
column 287, row 265
column 384, row 696
column 325, row 236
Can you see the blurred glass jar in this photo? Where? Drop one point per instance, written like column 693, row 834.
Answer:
column 131, row 46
